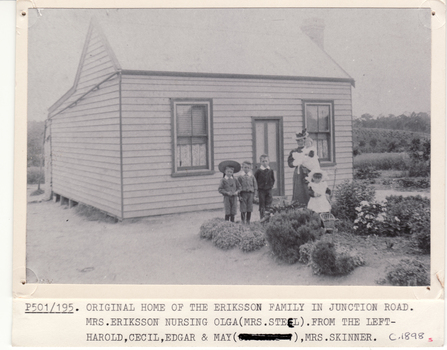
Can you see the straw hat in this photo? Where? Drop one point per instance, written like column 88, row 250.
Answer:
column 229, row 163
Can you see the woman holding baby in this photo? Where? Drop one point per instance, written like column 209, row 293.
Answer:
column 304, row 159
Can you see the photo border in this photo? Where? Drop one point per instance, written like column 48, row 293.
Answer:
column 21, row 289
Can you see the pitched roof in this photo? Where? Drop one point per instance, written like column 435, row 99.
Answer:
column 138, row 48
column 191, row 50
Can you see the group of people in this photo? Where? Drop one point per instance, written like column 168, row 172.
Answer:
column 309, row 182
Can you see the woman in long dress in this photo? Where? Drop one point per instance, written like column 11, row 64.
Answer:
column 297, row 159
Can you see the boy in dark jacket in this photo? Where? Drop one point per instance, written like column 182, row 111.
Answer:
column 265, row 179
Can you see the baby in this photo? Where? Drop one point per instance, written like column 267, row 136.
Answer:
column 308, row 157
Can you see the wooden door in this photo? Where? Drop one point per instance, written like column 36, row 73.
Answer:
column 267, row 140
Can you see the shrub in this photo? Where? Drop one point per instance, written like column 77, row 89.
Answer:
column 396, row 217
column 409, row 182
column 419, row 225
column 348, row 196
column 419, row 168
column 286, row 232
column 208, row 228
column 226, row 235
column 34, row 174
column 305, row 252
column 408, row 272
column 327, row 259
column 251, row 237
column 408, row 210
column 370, row 217
column 366, row 172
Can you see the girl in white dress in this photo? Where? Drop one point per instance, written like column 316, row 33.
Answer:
column 319, row 192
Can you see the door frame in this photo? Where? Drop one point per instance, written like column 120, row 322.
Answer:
column 280, row 144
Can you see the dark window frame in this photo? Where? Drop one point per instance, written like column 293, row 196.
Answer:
column 191, row 170
column 331, row 145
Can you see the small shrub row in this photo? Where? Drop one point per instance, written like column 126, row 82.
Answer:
column 382, row 161
column 366, row 172
column 288, row 231
column 227, row 235
column 416, row 163
column 415, row 182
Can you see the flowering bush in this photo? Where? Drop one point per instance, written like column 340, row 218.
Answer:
column 370, row 216
column 396, row 217
column 374, row 218
column 348, row 197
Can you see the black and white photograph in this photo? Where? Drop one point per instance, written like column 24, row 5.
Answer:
column 229, row 146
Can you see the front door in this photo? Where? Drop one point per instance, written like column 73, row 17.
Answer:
column 267, row 140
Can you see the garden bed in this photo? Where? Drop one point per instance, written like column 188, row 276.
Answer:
column 63, row 247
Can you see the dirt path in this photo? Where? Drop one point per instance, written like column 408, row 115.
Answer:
column 63, row 247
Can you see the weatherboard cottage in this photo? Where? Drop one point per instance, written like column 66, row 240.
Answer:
column 148, row 119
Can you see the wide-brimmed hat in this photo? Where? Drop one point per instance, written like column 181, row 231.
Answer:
column 317, row 171
column 301, row 135
column 229, row 163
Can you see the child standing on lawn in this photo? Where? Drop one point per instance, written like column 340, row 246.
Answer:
column 229, row 187
column 319, row 192
column 249, row 186
column 265, row 179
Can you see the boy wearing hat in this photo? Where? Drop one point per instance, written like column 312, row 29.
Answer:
column 229, row 187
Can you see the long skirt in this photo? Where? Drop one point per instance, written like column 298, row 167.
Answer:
column 300, row 188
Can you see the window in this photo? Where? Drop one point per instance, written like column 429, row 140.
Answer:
column 192, row 144
column 319, row 121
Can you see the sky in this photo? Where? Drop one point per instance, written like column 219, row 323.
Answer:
column 386, row 51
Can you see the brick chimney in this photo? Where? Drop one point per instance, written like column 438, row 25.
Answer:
column 314, row 29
